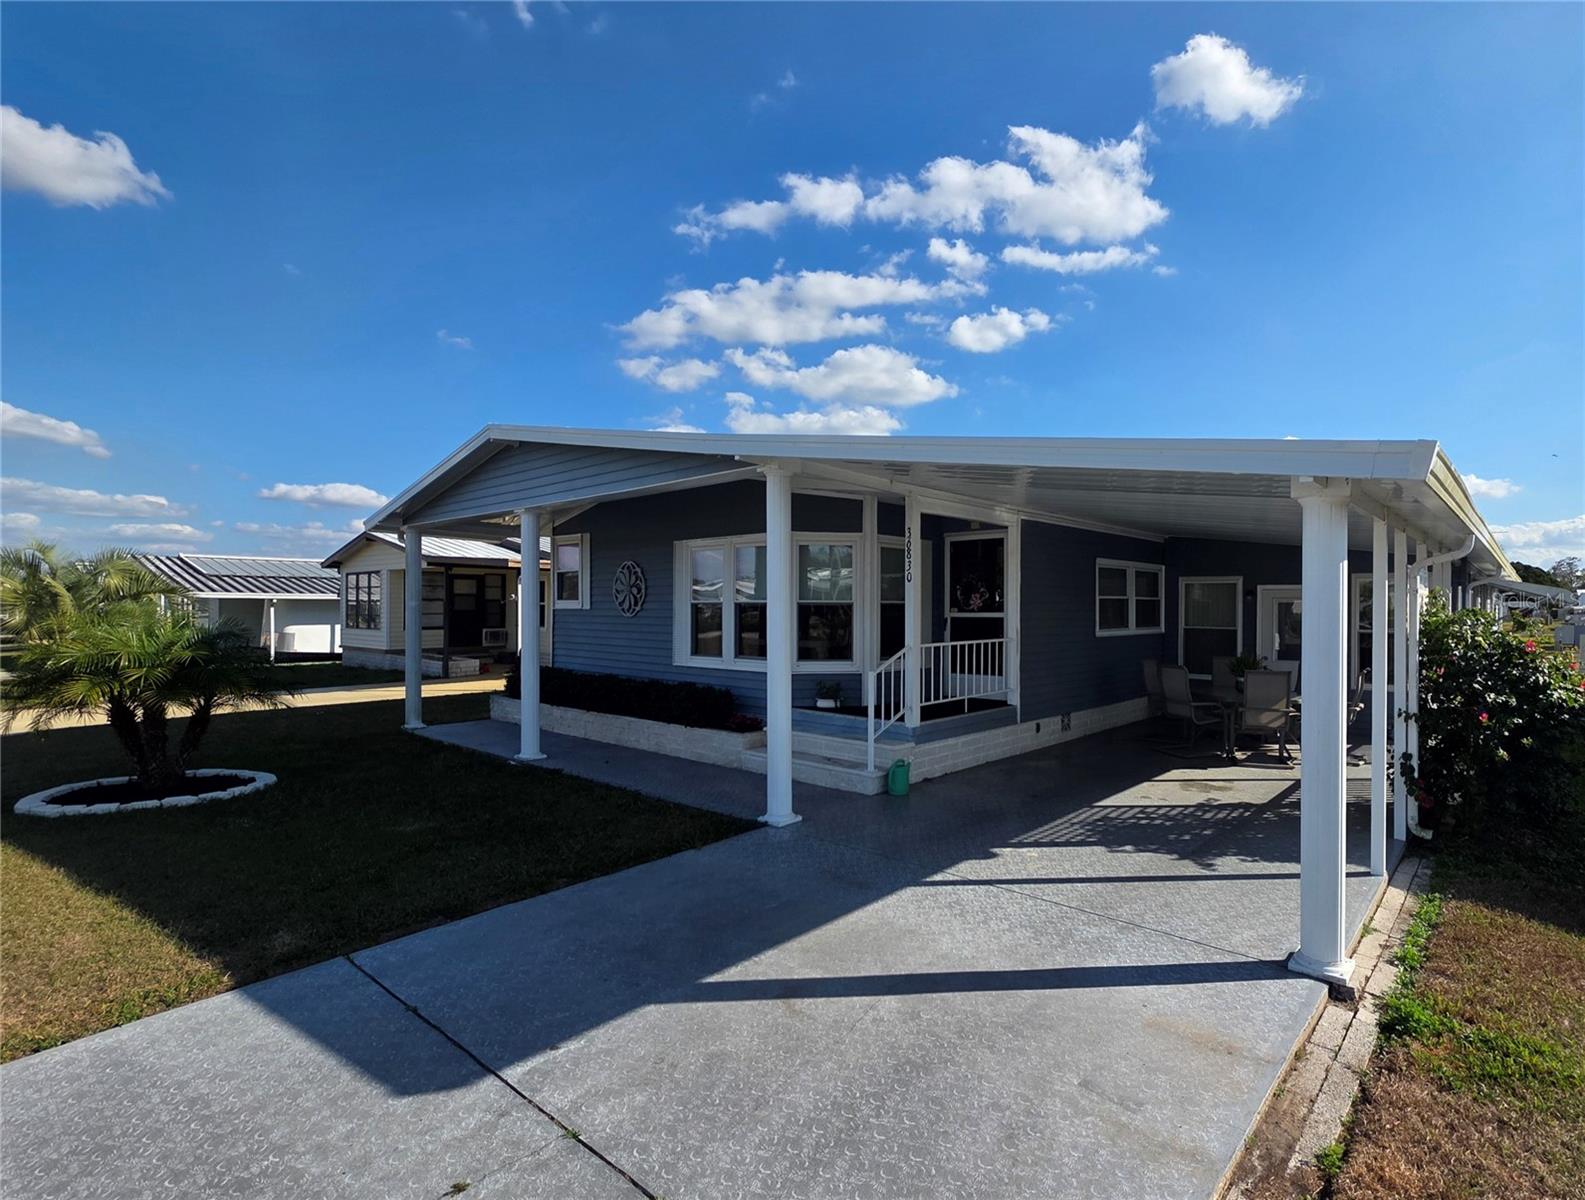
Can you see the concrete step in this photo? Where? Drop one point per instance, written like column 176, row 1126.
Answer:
column 823, row 771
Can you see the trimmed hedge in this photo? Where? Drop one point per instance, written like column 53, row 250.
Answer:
column 692, row 704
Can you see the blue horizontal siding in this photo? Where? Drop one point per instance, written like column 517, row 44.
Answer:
column 1064, row 666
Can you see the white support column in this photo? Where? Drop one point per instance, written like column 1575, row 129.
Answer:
column 1379, row 628
column 1323, row 666
column 913, row 610
column 413, row 626
column 1415, row 599
column 528, row 637
column 1400, row 680
column 780, row 639
column 270, row 604
column 869, row 594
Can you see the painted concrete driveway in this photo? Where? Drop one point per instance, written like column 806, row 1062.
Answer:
column 1059, row 976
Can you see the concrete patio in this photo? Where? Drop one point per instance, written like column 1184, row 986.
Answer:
column 1059, row 975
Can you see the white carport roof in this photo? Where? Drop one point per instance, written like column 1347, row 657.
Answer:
column 446, row 550
column 1543, row 591
column 1227, row 489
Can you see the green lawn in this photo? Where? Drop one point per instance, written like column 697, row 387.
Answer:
column 1478, row 1087
column 370, row 833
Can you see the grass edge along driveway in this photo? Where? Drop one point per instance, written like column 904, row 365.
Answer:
column 370, row 833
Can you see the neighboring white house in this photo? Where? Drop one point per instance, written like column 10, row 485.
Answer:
column 470, row 592
column 289, row 606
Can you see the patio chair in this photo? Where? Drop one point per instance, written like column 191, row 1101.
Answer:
column 1152, row 670
column 1179, row 702
column 1291, row 667
column 1222, row 677
column 1266, row 711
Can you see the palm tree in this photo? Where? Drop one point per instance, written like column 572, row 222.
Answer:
column 139, row 667
column 38, row 585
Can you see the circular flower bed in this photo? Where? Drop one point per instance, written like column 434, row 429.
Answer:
column 77, row 799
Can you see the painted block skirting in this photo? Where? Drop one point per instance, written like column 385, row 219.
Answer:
column 927, row 760
column 718, row 746
column 461, row 668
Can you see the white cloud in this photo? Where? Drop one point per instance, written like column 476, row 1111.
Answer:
column 824, row 200
column 744, row 416
column 1079, row 262
column 683, row 376
column 314, row 533
column 1165, row 272
column 318, row 495
column 84, row 501
column 856, row 375
column 788, row 80
column 1491, row 489
column 672, row 421
column 811, row 306
column 453, row 339
column 19, row 422
column 67, row 169
column 520, row 11
column 987, row 333
column 1214, row 77
column 1075, row 192
column 959, row 258
column 167, row 532
column 1542, row 543
column 18, row 522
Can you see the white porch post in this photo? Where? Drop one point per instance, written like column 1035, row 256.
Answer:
column 1323, row 665
column 1411, row 699
column 270, row 604
column 413, row 625
column 1379, row 629
column 870, row 599
column 1400, row 679
column 779, row 644
column 528, row 637
column 913, row 610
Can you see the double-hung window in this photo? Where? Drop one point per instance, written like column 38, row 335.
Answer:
column 363, row 600
column 570, row 571
column 825, row 577
column 721, row 605
column 893, row 596
column 1127, row 597
column 1211, row 621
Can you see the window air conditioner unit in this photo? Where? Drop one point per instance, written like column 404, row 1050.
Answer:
column 495, row 637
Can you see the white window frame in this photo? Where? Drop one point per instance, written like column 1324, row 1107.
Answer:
column 682, row 604
column 828, row 666
column 1133, row 568
column 580, row 540
column 1238, row 606
column 1361, row 581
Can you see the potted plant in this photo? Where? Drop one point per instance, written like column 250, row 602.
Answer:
column 828, row 694
column 1246, row 662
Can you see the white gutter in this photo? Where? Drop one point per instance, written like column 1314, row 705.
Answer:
column 1421, row 570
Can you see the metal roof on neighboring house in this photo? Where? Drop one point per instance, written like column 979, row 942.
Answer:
column 226, row 575
column 450, row 550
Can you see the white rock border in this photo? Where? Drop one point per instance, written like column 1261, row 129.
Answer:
column 39, row 803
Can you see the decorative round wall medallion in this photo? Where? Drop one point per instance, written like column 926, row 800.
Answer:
column 628, row 588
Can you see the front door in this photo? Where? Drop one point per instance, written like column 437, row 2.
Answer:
column 976, row 586
column 1281, row 624
column 465, row 619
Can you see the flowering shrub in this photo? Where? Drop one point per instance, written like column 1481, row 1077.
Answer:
column 1501, row 720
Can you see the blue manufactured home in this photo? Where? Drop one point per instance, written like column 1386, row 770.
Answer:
column 956, row 600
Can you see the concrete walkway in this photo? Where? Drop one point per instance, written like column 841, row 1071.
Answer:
column 1058, row 976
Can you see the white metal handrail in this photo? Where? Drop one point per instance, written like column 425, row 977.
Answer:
column 887, row 697
column 967, row 670
column 942, row 672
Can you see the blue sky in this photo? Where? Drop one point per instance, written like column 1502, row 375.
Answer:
column 326, row 243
